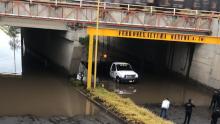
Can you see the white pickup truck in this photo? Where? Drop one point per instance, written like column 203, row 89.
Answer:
column 123, row 72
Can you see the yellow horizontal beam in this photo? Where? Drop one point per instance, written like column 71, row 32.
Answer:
column 163, row 36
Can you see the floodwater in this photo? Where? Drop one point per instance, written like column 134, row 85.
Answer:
column 10, row 60
column 41, row 92
column 153, row 89
column 42, row 95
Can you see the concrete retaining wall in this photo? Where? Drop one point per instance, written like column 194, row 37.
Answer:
column 59, row 47
column 178, row 59
column 206, row 65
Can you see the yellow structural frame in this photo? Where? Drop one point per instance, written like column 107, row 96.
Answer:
column 137, row 34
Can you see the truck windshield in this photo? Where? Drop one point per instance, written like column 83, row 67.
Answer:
column 123, row 67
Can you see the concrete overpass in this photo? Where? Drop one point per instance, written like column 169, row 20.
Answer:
column 48, row 14
column 67, row 17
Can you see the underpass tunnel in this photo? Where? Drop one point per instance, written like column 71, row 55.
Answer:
column 43, row 89
column 51, row 49
column 156, row 62
column 165, row 70
column 147, row 56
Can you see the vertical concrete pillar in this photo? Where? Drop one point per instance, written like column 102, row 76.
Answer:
column 76, row 58
column 22, row 49
column 192, row 49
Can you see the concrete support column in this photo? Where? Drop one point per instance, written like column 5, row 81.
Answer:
column 191, row 53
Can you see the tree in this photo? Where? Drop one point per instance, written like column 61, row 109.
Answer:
column 12, row 32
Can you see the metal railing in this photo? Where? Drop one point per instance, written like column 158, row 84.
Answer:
column 111, row 14
column 137, row 7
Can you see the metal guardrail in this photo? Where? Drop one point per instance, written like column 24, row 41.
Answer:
column 111, row 14
column 139, row 7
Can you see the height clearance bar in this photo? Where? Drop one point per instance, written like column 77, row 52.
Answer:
column 164, row 36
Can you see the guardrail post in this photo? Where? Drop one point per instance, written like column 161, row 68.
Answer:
column 80, row 3
column 128, row 7
column 197, row 12
column 104, row 5
column 218, row 26
column 151, row 9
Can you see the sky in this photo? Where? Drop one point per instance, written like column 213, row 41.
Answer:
column 7, row 65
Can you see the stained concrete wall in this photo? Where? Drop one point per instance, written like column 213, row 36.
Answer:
column 178, row 57
column 215, row 28
column 60, row 47
column 206, row 65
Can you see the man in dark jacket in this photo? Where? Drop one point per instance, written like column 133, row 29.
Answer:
column 215, row 100
column 215, row 116
column 188, row 109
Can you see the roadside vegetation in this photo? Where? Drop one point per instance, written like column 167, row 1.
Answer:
column 125, row 108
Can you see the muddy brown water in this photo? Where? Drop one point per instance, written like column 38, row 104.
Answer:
column 43, row 95
column 153, row 89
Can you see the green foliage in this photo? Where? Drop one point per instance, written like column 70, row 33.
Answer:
column 12, row 32
column 84, row 40
column 75, row 83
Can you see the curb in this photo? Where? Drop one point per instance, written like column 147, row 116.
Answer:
column 112, row 114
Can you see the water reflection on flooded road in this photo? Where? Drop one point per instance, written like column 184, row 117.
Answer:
column 153, row 89
column 38, row 92
column 43, row 95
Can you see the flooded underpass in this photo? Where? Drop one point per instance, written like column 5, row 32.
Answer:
column 42, row 94
column 163, row 69
column 46, row 96
column 153, row 89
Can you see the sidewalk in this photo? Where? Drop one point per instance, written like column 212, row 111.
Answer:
column 200, row 115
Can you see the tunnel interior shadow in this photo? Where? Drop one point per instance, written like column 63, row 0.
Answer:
column 145, row 56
